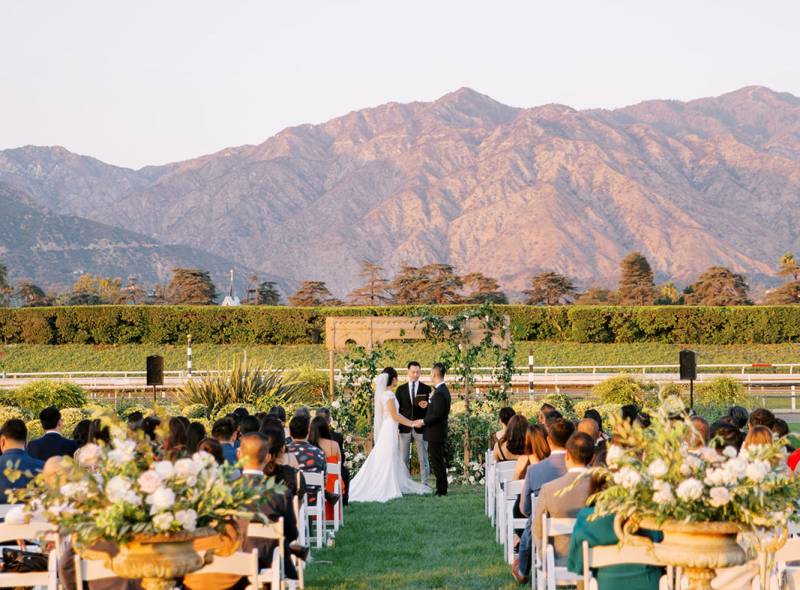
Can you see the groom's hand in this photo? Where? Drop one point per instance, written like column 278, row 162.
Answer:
column 419, row 423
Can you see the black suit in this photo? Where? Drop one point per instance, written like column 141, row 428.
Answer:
column 436, row 434
column 407, row 410
column 52, row 444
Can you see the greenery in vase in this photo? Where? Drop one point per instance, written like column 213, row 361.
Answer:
column 653, row 474
column 118, row 491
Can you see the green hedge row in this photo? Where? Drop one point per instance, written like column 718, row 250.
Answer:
column 124, row 324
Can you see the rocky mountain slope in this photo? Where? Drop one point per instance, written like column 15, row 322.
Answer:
column 467, row 180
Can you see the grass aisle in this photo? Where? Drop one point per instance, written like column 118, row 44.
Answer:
column 414, row 543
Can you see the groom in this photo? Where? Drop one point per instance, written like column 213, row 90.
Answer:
column 412, row 398
column 435, row 427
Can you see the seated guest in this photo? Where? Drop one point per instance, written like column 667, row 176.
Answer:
column 286, row 457
column 762, row 417
column 558, row 433
column 536, row 450
column 150, row 428
column 600, row 532
column 595, row 415
column 255, row 452
column 590, row 427
column 224, row 431
column 213, row 447
column 504, row 416
column 781, row 429
column 512, row 445
column 758, row 435
column 629, row 412
column 320, row 436
column 80, row 434
column 560, row 498
column 284, row 474
column 13, row 436
column 194, row 434
column 699, row 436
column 51, row 444
column 725, row 435
column 310, row 458
column 175, row 445
column 279, row 413
column 135, row 420
column 739, row 415
column 248, row 424
column 544, row 410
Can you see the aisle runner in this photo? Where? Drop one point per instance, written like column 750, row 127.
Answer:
column 414, row 543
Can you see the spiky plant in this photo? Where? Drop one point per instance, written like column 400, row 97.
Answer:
column 261, row 387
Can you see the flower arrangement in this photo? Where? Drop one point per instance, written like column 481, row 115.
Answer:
column 471, row 474
column 124, row 490
column 652, row 474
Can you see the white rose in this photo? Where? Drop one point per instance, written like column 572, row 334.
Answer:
column 131, row 497
column 187, row 518
column 205, row 459
column 710, row 455
column 719, row 496
column 663, row 494
column 117, row 487
column 658, row 468
column 160, row 500
column 730, row 452
column 89, row 455
column 734, row 470
column 715, row 477
column 149, row 481
column 627, row 477
column 757, row 471
column 123, row 451
column 690, row 464
column 163, row 521
column 614, row 454
column 187, row 468
column 165, row 469
column 70, row 490
column 690, row 489
column 336, row 404
column 674, row 405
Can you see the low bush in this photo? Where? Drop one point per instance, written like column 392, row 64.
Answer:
column 623, row 389
column 37, row 395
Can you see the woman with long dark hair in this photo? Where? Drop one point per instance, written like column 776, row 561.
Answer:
column 175, row 445
column 536, row 449
column 194, row 434
column 320, row 436
column 512, row 445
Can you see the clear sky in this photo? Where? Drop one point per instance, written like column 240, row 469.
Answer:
column 152, row 81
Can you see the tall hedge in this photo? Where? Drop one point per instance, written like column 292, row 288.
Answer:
column 123, row 324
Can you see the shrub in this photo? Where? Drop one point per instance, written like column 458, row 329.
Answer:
column 35, row 429
column 70, row 418
column 194, row 411
column 9, row 412
column 37, row 395
column 714, row 397
column 480, row 428
column 607, row 411
column 623, row 389
column 223, row 411
column 562, row 402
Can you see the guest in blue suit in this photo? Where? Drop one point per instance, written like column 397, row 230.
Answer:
column 52, row 444
column 13, row 436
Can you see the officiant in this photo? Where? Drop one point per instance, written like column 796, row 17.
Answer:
column 413, row 398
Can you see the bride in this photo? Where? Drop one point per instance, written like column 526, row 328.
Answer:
column 384, row 475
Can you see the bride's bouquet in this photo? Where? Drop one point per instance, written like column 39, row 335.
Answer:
column 122, row 490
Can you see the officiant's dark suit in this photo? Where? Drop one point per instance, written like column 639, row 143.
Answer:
column 411, row 410
column 435, row 434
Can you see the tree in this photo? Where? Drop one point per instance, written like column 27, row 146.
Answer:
column 636, row 285
column 107, row 290
column 190, row 286
column 84, row 299
column 719, row 286
column 133, row 293
column 5, row 288
column 550, row 288
column 597, row 296
column 789, row 267
column 786, row 294
column 267, row 293
column 483, row 289
column 668, row 294
column 430, row 284
column 313, row 294
column 375, row 288
column 30, row 295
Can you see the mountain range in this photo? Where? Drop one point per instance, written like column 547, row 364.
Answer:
column 464, row 179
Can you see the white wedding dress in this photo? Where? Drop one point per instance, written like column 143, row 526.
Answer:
column 384, row 475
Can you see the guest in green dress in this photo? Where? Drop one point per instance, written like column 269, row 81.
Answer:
column 613, row 577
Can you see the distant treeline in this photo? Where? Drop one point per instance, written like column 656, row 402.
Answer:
column 121, row 324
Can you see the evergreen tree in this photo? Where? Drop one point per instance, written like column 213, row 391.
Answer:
column 374, row 289
column 550, row 288
column 313, row 294
column 30, row 295
column 719, row 286
column 430, row 284
column 190, row 286
column 267, row 293
column 483, row 289
column 5, row 288
column 636, row 285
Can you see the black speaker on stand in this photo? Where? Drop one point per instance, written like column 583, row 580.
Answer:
column 688, row 361
column 155, row 373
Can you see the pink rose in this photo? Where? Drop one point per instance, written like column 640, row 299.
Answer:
column 149, row 481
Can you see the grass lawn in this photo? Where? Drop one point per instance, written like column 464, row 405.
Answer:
column 130, row 357
column 414, row 543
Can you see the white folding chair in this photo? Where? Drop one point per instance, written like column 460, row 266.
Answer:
column 783, row 575
column 338, row 509
column 6, row 508
column 274, row 575
column 243, row 564
column 301, row 538
column 550, row 575
column 33, row 531
column 604, row 556
column 512, row 491
column 488, row 475
column 90, row 570
column 504, row 474
column 317, row 512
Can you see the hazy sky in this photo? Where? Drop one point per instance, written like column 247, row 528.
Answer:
column 148, row 82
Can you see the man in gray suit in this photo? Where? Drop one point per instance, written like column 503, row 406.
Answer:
column 580, row 451
column 558, row 432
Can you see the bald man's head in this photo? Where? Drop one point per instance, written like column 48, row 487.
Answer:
column 589, row 426
column 253, row 450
